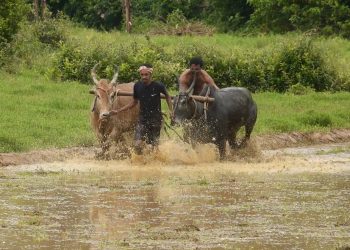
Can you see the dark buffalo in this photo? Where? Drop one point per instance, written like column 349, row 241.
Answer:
column 106, row 93
column 227, row 111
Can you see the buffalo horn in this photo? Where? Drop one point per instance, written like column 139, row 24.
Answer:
column 202, row 98
column 115, row 77
column 190, row 89
column 93, row 73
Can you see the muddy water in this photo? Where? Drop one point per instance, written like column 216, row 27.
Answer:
column 297, row 198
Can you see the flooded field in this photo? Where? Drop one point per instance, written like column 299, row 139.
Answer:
column 295, row 198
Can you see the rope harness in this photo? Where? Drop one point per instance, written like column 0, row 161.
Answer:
column 106, row 91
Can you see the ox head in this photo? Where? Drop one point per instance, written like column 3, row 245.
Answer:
column 183, row 107
column 105, row 94
column 187, row 107
column 183, row 104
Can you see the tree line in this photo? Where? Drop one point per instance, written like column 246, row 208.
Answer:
column 325, row 17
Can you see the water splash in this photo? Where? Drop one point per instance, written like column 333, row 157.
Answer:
column 175, row 152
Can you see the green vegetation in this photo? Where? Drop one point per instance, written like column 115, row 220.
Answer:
column 40, row 113
column 309, row 112
column 260, row 63
column 268, row 16
column 45, row 79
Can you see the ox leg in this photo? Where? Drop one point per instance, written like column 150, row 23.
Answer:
column 249, row 125
column 104, row 149
column 221, row 144
column 232, row 140
column 138, row 147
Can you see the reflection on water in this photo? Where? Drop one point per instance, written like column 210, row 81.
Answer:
column 86, row 204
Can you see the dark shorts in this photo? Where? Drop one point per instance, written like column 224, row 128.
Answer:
column 148, row 132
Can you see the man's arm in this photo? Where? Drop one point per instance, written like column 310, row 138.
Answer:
column 130, row 105
column 184, row 80
column 208, row 79
column 170, row 106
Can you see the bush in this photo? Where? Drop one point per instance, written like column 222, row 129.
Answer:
column 299, row 89
column 302, row 63
column 50, row 31
column 12, row 13
column 294, row 66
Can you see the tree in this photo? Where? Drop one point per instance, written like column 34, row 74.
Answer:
column 36, row 9
column 127, row 4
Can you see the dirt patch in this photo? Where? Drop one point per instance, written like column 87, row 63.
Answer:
column 301, row 139
column 275, row 141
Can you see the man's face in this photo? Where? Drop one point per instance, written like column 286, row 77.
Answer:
column 145, row 75
column 195, row 67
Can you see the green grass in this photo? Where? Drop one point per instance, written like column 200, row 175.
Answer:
column 311, row 112
column 38, row 113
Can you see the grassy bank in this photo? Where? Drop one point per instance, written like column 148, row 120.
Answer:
column 39, row 113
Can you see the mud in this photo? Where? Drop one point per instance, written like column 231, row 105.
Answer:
column 275, row 141
column 180, row 198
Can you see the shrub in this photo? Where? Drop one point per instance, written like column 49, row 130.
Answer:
column 299, row 89
column 12, row 13
column 302, row 63
column 294, row 66
column 50, row 31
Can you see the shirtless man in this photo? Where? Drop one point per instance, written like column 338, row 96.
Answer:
column 186, row 78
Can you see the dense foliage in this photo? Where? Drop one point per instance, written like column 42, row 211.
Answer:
column 327, row 17
column 12, row 13
column 296, row 62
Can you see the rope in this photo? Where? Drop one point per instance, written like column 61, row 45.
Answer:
column 167, row 125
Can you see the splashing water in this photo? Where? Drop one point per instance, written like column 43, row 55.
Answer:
column 175, row 152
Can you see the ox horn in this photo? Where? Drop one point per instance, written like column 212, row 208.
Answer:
column 93, row 73
column 190, row 89
column 115, row 77
column 202, row 98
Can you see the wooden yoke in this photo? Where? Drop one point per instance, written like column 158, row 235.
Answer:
column 125, row 93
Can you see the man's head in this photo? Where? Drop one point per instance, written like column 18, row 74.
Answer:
column 196, row 63
column 146, row 72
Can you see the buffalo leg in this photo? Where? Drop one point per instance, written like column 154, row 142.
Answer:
column 220, row 141
column 222, row 150
column 232, row 140
column 249, row 124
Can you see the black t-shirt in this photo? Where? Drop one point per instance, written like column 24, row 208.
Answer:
column 150, row 102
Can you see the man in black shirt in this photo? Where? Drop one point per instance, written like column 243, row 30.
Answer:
column 147, row 93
